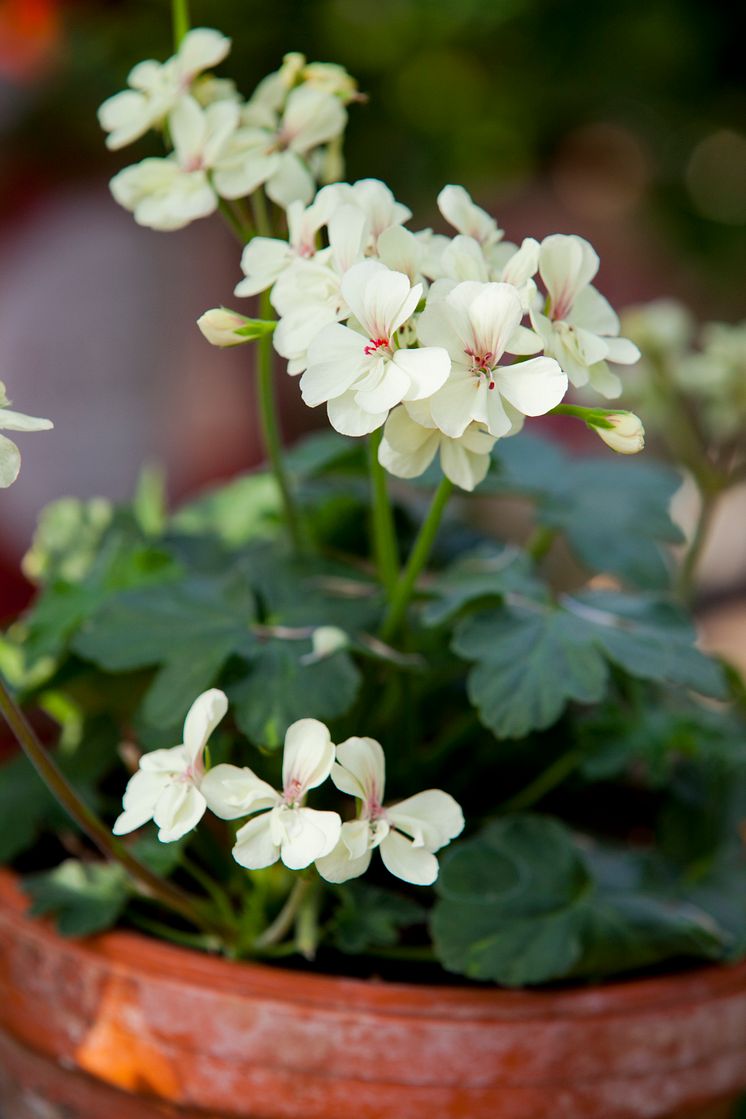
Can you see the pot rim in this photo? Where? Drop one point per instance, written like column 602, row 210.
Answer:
column 126, row 951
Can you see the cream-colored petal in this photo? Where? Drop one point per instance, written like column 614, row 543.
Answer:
column 232, row 791
column 360, row 770
column 203, row 716
column 308, row 756
column 412, row 864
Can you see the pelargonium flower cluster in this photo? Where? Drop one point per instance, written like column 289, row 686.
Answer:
column 286, row 137
column 175, row 788
column 448, row 343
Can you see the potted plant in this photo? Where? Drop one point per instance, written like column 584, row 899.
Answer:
column 406, row 827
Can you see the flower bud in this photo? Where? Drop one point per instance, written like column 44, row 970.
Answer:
column 222, row 327
column 325, row 641
column 626, row 434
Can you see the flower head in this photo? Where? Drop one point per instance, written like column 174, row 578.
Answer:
column 155, row 88
column 477, row 323
column 284, row 828
column 167, row 786
column 407, row 834
column 578, row 326
column 10, row 456
column 362, row 372
column 411, row 440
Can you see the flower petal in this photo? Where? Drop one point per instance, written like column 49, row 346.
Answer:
column 427, row 370
column 255, row 845
column 316, row 834
column 432, row 818
column 407, row 448
column 533, row 387
column 336, row 359
column 308, row 756
column 348, row 418
column 360, row 769
column 179, row 809
column 202, row 718
column 412, row 864
column 232, row 791
column 343, row 861
column 453, row 405
column 10, row 462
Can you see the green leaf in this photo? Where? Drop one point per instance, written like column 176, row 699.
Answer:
column 24, row 806
column 522, row 903
column 282, row 686
column 369, row 917
column 613, row 511
column 67, row 539
column 530, row 662
column 62, row 607
column 188, row 629
column 531, row 659
column 245, row 509
column 486, row 575
column 85, row 898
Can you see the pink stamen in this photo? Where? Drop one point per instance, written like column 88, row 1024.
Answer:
column 375, row 345
column 482, row 363
column 293, row 791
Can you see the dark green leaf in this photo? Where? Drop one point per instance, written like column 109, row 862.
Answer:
column 532, row 658
column 369, row 917
column 282, row 686
column 478, row 578
column 85, row 898
column 613, row 512
column 522, row 903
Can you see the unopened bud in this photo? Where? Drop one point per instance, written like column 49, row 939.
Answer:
column 325, row 640
column 626, row 434
column 222, row 327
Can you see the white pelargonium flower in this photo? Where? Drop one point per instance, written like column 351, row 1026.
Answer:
column 407, row 834
column 276, row 157
column 362, row 373
column 10, row 456
column 156, row 87
column 579, row 327
column 284, row 829
column 264, row 259
column 477, row 324
column 411, row 440
column 167, row 787
column 169, row 193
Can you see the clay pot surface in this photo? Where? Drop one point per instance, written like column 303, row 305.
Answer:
column 123, row 1027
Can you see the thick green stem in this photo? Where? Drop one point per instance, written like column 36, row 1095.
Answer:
column 180, row 20
column 419, row 556
column 285, row 919
column 261, row 213
column 270, row 426
column 540, row 541
column 149, row 883
column 688, row 569
column 384, row 533
column 547, row 780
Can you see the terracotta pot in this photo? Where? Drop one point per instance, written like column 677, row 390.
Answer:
column 123, row 1027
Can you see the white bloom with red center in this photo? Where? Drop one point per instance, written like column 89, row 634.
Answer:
column 411, row 440
column 407, row 834
column 284, row 828
column 10, row 456
column 579, row 327
column 167, row 786
column 362, row 373
column 169, row 193
column 477, row 324
column 276, row 157
column 156, row 87
column 264, row 259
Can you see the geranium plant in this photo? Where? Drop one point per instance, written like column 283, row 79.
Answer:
column 552, row 773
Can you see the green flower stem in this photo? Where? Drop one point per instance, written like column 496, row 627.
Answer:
column 419, row 556
column 307, row 932
column 261, row 213
column 270, row 426
column 180, row 20
column 547, row 780
column 285, row 919
column 540, row 541
column 688, row 570
column 384, row 533
column 150, row 884
column 241, row 230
